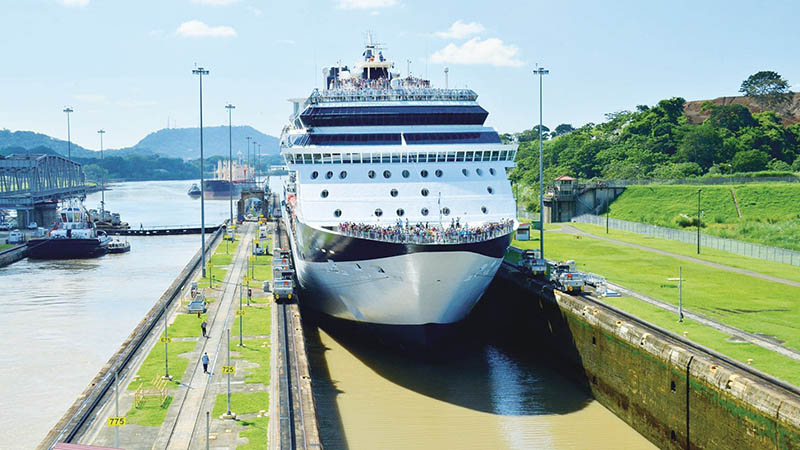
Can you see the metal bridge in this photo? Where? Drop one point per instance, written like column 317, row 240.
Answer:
column 29, row 181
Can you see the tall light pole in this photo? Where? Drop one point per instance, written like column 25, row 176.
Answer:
column 254, row 158
column 698, row 221
column 102, row 179
column 258, row 162
column 200, row 71
column 247, row 158
column 230, row 108
column 541, row 71
column 69, row 138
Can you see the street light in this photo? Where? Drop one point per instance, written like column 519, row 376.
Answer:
column 541, row 71
column 230, row 108
column 102, row 179
column 680, row 292
column 258, row 162
column 69, row 139
column 254, row 158
column 200, row 71
column 698, row 221
column 247, row 159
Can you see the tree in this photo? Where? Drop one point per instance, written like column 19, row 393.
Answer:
column 730, row 117
column 700, row 145
column 750, row 161
column 767, row 87
column 563, row 129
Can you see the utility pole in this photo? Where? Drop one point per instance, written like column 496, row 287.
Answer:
column 241, row 317
column 69, row 138
column 102, row 179
column 230, row 108
column 698, row 221
column 247, row 159
column 254, row 159
column 166, row 347
column 200, row 71
column 541, row 71
column 606, row 211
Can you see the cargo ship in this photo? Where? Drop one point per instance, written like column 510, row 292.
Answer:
column 221, row 186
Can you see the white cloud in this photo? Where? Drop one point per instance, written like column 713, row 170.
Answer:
column 491, row 51
column 460, row 30
column 215, row 2
column 90, row 98
column 364, row 4
column 256, row 12
column 196, row 28
column 74, row 3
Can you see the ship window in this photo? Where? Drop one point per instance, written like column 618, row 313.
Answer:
column 446, row 211
column 314, row 175
column 393, row 192
column 337, row 213
column 395, row 158
column 484, row 210
column 491, row 171
column 439, row 173
column 378, row 212
column 412, row 157
column 371, row 174
column 307, row 158
column 317, row 158
column 465, row 172
column 346, row 158
column 442, row 157
column 490, row 190
column 324, row 193
column 479, row 172
column 329, row 175
column 460, row 157
column 424, row 211
column 400, row 212
column 424, row 192
column 424, row 174
column 469, row 156
column 387, row 174
column 406, row 174
column 343, row 174
column 451, row 156
column 376, row 158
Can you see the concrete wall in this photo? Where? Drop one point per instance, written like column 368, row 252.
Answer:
column 592, row 200
column 675, row 395
column 13, row 254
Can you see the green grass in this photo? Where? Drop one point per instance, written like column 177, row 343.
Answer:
column 256, row 434
column 770, row 212
column 779, row 270
column 187, row 325
column 241, row 403
column 765, row 360
column 154, row 364
column 252, row 352
column 751, row 304
column 5, row 246
column 151, row 413
column 257, row 321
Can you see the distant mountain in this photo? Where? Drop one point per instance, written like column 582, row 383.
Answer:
column 181, row 143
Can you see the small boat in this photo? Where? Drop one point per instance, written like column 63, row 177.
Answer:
column 73, row 236
column 194, row 190
column 117, row 246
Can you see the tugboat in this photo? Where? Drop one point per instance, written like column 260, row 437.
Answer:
column 73, row 236
column 117, row 246
column 194, row 191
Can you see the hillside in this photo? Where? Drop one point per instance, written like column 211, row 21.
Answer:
column 789, row 113
column 770, row 212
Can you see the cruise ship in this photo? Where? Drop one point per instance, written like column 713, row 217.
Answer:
column 397, row 203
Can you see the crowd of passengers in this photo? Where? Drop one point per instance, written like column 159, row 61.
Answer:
column 424, row 232
column 381, row 83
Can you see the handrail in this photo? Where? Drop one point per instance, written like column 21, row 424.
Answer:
column 424, row 236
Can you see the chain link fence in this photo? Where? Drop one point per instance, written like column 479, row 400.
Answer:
column 764, row 252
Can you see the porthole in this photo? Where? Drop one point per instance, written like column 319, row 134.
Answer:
column 314, row 175
column 343, row 174
column 406, row 174
column 479, row 172
column 387, row 174
column 400, row 212
column 424, row 192
column 423, row 174
column 484, row 210
column 490, row 190
column 378, row 212
column 491, row 171
column 393, row 192
column 446, row 211
column 439, row 173
column 465, row 172
column 329, row 175
column 371, row 174
column 324, row 193
column 424, row 211
column 337, row 213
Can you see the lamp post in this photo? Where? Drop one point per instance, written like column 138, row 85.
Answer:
column 258, row 162
column 247, row 158
column 201, row 71
column 230, row 108
column 680, row 292
column 254, row 158
column 102, row 179
column 541, row 71
column 69, row 138
column 698, row 221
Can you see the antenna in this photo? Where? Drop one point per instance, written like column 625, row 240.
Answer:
column 446, row 70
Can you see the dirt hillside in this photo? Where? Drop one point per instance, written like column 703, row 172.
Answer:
column 790, row 112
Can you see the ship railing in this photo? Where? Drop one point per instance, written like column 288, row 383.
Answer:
column 413, row 235
column 375, row 94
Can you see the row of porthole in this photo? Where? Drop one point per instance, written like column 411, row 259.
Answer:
column 401, row 212
column 425, row 192
column 405, row 173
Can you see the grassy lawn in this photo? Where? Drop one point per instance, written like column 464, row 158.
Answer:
column 770, row 212
column 187, row 325
column 154, row 364
column 749, row 303
column 261, row 267
column 253, row 352
column 257, row 322
column 256, row 434
column 5, row 246
column 241, row 403
column 151, row 413
column 779, row 270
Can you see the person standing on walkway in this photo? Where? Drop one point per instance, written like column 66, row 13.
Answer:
column 205, row 362
column 203, row 327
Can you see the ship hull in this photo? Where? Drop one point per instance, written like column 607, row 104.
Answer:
column 53, row 248
column 220, row 189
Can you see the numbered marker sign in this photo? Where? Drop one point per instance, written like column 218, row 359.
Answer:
column 239, row 312
column 166, row 340
column 227, row 369
column 116, row 421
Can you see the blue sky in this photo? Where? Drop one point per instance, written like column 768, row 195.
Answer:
column 125, row 66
